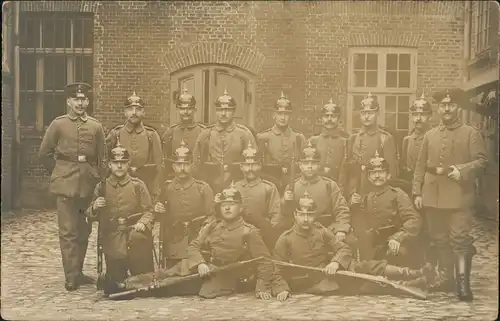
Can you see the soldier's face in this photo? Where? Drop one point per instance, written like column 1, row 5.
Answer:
column 304, row 220
column 224, row 115
column 419, row 119
column 330, row 121
column 281, row 118
column 186, row 113
column 250, row 171
column 134, row 114
column 119, row 169
column 448, row 112
column 230, row 211
column 368, row 117
column 378, row 177
column 309, row 168
column 182, row 170
column 78, row 105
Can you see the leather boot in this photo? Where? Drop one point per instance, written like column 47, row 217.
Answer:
column 462, row 277
column 402, row 273
column 444, row 278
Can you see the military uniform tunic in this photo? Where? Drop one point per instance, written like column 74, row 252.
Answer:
column 226, row 244
column 409, row 153
column 332, row 146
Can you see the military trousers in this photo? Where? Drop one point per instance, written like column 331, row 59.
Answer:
column 74, row 231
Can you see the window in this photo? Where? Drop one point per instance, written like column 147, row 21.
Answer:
column 55, row 50
column 482, row 26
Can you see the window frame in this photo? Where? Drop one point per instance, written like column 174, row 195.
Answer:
column 483, row 27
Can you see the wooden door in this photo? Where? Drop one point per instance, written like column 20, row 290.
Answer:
column 192, row 80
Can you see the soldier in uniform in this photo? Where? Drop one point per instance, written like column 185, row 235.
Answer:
column 226, row 241
column 279, row 143
column 73, row 151
column 218, row 149
column 186, row 130
column 392, row 225
column 126, row 221
column 451, row 157
column 331, row 143
column 184, row 204
column 143, row 144
column 309, row 243
column 261, row 199
column 332, row 209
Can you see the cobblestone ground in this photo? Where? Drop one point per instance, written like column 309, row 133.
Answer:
column 33, row 288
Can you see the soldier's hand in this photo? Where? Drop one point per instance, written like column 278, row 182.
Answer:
column 203, row 270
column 288, row 195
column 394, row 247
column 264, row 295
column 332, row 268
column 159, row 207
column 340, row 236
column 418, row 202
column 282, row 296
column 139, row 227
column 355, row 198
column 100, row 202
column 455, row 173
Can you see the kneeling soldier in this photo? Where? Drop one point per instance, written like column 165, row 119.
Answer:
column 126, row 219
column 309, row 243
column 227, row 241
column 391, row 225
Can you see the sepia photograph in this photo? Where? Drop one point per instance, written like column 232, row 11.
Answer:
column 250, row 160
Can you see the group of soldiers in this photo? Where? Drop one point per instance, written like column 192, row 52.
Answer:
column 223, row 194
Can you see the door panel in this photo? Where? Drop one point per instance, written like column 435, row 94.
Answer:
column 193, row 82
column 236, row 87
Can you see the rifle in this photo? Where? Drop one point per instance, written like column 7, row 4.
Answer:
column 381, row 281
column 289, row 205
column 100, row 274
column 168, row 282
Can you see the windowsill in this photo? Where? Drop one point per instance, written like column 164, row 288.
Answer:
column 31, row 133
column 482, row 57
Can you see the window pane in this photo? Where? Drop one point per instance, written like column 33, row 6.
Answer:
column 404, row 79
column 371, row 79
column 356, row 121
column 27, row 66
column 27, row 108
column 359, row 78
column 404, row 62
column 359, row 61
column 403, row 104
column 48, row 33
column 372, row 62
column 88, row 33
column 403, row 121
column 390, row 104
column 54, row 73
column 391, row 79
column 83, row 69
column 390, row 120
column 392, row 61
column 83, row 33
column 30, row 33
column 54, row 105
column 63, row 33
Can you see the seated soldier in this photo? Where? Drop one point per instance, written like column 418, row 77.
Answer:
column 123, row 208
column 311, row 244
column 227, row 241
column 391, row 226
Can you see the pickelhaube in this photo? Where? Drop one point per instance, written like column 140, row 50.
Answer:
column 283, row 104
column 134, row 100
column 225, row 101
column 331, row 108
column 377, row 163
column 250, row 154
column 310, row 154
column 119, row 153
column 421, row 105
column 369, row 103
column 450, row 96
column 306, row 204
column 230, row 194
column 185, row 99
column 77, row 90
column 182, row 154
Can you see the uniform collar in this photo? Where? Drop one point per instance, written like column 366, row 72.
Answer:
column 229, row 128
column 330, row 132
column 313, row 181
column 187, row 126
column 453, row 126
column 233, row 225
column 253, row 183
column 277, row 131
column 178, row 184
column 422, row 133
column 131, row 127
column 73, row 117
column 302, row 232
column 114, row 182
column 370, row 132
column 382, row 190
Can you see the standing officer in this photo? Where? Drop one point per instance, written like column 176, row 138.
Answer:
column 184, row 203
column 261, row 199
column 331, row 143
column 73, row 150
column 143, row 144
column 126, row 221
column 186, row 130
column 279, row 143
column 451, row 157
column 218, row 149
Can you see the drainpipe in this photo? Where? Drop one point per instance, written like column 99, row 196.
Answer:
column 467, row 48
column 17, row 150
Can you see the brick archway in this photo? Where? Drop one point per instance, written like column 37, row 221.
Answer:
column 214, row 53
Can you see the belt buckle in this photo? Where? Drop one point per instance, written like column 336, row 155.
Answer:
column 439, row 170
column 82, row 158
column 284, row 170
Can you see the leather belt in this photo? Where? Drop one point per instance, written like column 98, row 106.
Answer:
column 438, row 170
column 77, row 159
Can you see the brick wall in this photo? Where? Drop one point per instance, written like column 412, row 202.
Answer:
column 7, row 133
column 298, row 47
